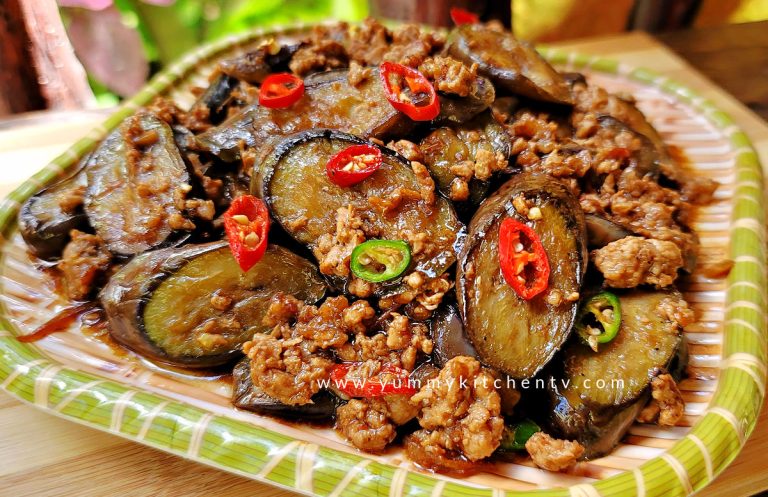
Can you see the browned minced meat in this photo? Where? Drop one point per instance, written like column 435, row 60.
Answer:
column 667, row 406
column 422, row 295
column 411, row 45
column 449, row 75
column 633, row 261
column 323, row 50
column 289, row 363
column 333, row 251
column 196, row 120
column 358, row 74
column 84, row 261
column 460, row 412
column 370, row 424
column 72, row 199
column 553, row 454
column 368, row 42
column 407, row 149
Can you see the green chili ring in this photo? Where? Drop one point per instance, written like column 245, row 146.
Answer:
column 380, row 260
column 599, row 319
column 516, row 435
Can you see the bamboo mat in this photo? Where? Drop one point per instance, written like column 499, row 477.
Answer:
column 43, row 455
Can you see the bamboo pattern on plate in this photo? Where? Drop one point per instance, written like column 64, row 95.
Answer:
column 81, row 378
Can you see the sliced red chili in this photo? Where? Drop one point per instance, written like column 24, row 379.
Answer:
column 407, row 90
column 353, row 164
column 461, row 16
column 280, row 90
column 246, row 223
column 390, row 381
column 523, row 260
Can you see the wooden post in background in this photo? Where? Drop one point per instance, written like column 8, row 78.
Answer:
column 19, row 90
column 38, row 68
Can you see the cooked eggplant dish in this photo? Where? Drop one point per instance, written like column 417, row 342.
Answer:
column 396, row 232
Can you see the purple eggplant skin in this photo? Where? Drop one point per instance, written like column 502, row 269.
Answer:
column 329, row 101
column 515, row 336
column 599, row 431
column 129, row 197
column 245, row 395
column 217, row 97
column 448, row 337
column 599, row 428
column 455, row 109
column 602, row 231
column 157, row 302
column 293, row 183
column 254, row 66
column 45, row 225
column 513, row 66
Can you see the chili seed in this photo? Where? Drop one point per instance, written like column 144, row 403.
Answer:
column 241, row 219
column 252, row 239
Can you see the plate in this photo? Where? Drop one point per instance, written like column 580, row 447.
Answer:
column 81, row 377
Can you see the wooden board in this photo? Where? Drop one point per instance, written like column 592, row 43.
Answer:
column 43, row 455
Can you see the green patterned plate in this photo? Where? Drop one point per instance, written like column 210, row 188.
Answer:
column 79, row 377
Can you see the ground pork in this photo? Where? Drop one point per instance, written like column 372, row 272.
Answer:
column 368, row 42
column 421, row 297
column 553, row 454
column 323, row 50
column 407, row 149
column 411, row 45
column 449, row 75
column 289, row 363
column 632, row 261
column 364, row 426
column 461, row 412
column 667, row 406
column 334, row 250
column 84, row 262
column 71, row 199
column 357, row 74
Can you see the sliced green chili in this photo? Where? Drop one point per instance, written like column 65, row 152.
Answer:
column 599, row 319
column 380, row 260
column 517, row 434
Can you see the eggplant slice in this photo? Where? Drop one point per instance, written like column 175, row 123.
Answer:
column 47, row 217
column 449, row 146
column 294, row 184
column 648, row 335
column 517, row 336
column 511, row 64
column 329, row 101
column 132, row 178
column 193, row 306
column 245, row 395
column 598, row 415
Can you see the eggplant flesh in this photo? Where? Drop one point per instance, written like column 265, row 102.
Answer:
column 449, row 146
column 516, row 336
column 254, row 66
column 295, row 186
column 132, row 178
column 161, row 303
column 47, row 217
column 647, row 342
column 329, row 101
column 512, row 65
column 245, row 395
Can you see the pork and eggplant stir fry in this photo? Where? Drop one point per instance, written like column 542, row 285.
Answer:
column 395, row 231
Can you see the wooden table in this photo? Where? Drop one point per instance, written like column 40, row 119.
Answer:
column 42, row 455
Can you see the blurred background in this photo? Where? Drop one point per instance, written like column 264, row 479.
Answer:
column 91, row 53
